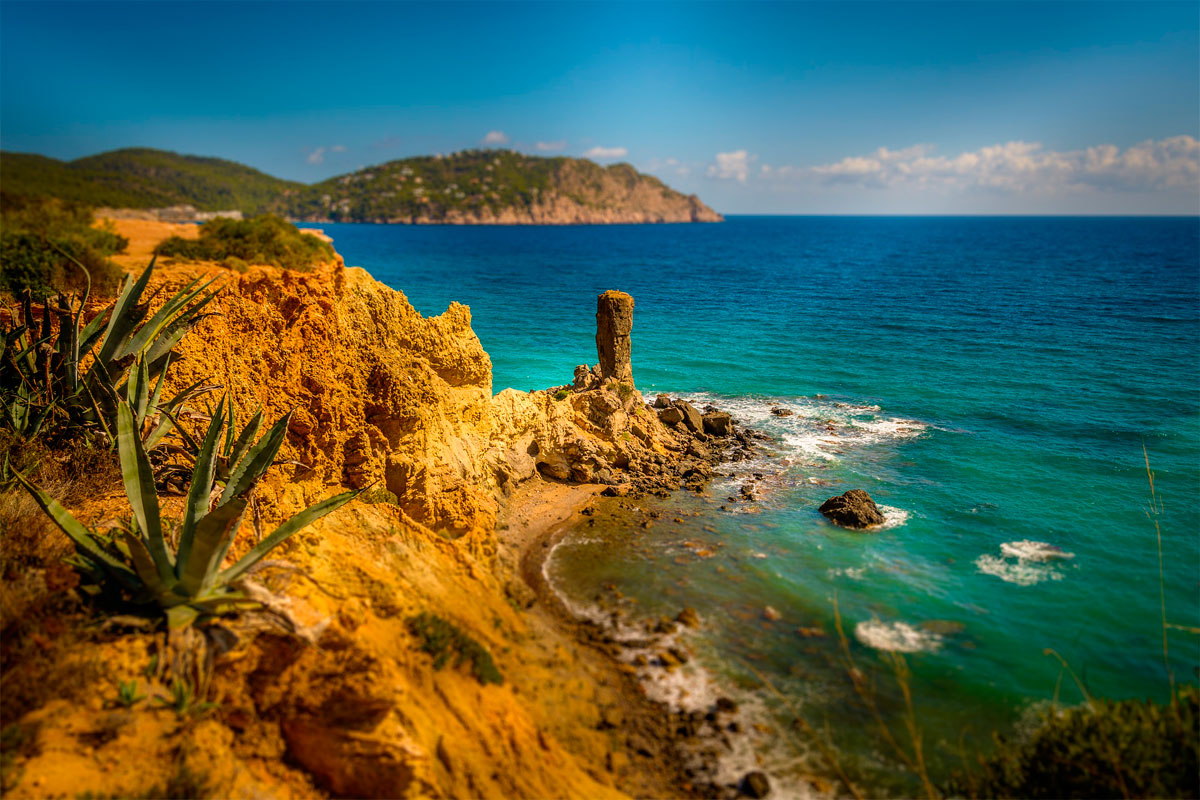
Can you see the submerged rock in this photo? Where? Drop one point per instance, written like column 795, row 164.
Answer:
column 756, row 784
column 854, row 509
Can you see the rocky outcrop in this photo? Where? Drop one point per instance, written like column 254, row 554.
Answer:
column 854, row 509
column 614, row 324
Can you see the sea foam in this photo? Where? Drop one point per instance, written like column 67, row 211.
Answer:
column 1024, row 562
column 818, row 429
column 898, row 637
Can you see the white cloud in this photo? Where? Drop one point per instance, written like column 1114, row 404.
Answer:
column 606, row 152
column 731, row 166
column 317, row 155
column 496, row 137
column 552, row 147
column 1016, row 167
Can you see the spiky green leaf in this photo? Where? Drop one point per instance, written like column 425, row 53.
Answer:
column 201, row 487
column 84, row 540
column 256, row 462
column 210, row 542
column 143, row 562
column 139, row 487
column 280, row 534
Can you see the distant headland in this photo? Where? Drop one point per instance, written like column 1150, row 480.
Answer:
column 472, row 187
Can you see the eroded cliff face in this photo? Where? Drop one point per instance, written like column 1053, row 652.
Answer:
column 347, row 703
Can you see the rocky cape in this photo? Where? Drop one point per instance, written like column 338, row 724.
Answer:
column 346, row 702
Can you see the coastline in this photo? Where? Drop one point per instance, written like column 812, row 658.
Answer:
column 644, row 760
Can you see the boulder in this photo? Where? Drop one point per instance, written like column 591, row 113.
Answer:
column 662, row 401
column 782, row 412
column 691, row 417
column 583, row 378
column 854, row 509
column 717, row 423
column 614, row 324
column 670, row 416
column 688, row 617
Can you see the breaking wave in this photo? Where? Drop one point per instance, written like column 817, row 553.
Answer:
column 898, row 637
column 818, row 428
column 1024, row 563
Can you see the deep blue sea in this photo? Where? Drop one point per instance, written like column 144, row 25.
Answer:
column 990, row 381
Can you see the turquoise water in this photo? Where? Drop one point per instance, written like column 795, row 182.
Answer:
column 990, row 381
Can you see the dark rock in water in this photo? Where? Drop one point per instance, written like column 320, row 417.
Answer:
column 725, row 705
column 691, row 417
column 717, row 423
column 662, row 401
column 670, row 416
column 614, row 323
column 782, row 412
column 619, row 490
column 755, row 784
column 688, row 617
column 854, row 509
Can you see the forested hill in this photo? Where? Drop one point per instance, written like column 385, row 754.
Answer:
column 495, row 186
column 470, row 187
column 144, row 178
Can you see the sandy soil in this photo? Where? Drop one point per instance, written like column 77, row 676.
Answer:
column 535, row 517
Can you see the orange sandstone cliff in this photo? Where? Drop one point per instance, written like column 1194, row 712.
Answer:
column 346, row 703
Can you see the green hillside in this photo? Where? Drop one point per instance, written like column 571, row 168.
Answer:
column 143, row 178
column 473, row 186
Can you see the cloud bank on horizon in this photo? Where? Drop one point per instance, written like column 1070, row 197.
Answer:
column 1169, row 167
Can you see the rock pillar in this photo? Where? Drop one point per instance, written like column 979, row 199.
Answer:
column 614, row 323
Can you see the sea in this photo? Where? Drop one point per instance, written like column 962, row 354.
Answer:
column 1001, row 386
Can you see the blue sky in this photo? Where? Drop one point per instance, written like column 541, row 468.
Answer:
column 761, row 108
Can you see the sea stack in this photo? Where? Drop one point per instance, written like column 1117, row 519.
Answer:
column 614, row 323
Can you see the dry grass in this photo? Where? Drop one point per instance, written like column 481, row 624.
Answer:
column 41, row 613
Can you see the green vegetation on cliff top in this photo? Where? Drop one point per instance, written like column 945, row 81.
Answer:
column 143, row 178
column 472, row 182
column 264, row 239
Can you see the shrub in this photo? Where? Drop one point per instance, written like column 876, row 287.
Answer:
column 44, row 241
column 43, row 386
column 137, row 562
column 380, row 495
column 442, row 639
column 562, row 394
column 264, row 239
column 624, row 391
column 1126, row 748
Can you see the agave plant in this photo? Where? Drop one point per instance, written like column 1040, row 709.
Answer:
column 182, row 573
column 43, row 379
